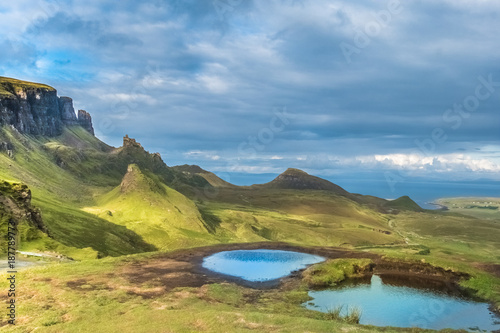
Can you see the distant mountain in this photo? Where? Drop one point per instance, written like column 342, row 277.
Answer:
column 403, row 203
column 295, row 179
column 210, row 177
column 92, row 200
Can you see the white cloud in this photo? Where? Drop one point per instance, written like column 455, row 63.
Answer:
column 202, row 155
column 124, row 97
column 438, row 163
column 214, row 83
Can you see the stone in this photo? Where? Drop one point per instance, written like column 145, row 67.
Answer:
column 32, row 108
column 68, row 114
column 85, row 120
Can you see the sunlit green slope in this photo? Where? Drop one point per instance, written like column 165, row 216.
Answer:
column 159, row 214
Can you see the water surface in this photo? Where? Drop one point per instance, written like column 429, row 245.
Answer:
column 259, row 265
column 390, row 305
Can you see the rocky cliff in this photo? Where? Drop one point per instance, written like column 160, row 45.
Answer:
column 16, row 209
column 36, row 109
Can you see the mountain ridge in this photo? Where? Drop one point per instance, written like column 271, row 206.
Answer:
column 107, row 201
column 35, row 109
column 296, row 179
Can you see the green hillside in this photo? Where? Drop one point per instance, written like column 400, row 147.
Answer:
column 210, row 177
column 126, row 200
column 62, row 174
column 8, row 86
column 89, row 200
column 162, row 216
column 403, row 203
column 299, row 180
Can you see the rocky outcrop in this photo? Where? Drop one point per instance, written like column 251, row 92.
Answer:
column 85, row 120
column 67, row 111
column 131, row 143
column 35, row 109
column 136, row 153
column 15, row 205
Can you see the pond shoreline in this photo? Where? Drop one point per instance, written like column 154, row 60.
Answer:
column 188, row 262
column 183, row 268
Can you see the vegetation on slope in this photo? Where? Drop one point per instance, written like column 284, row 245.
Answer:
column 108, row 296
column 16, row 212
column 482, row 208
column 303, row 217
column 295, row 179
column 59, row 192
column 210, row 177
column 404, row 203
column 331, row 272
column 9, row 86
column 162, row 216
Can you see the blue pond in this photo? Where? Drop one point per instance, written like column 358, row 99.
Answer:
column 259, row 265
column 389, row 305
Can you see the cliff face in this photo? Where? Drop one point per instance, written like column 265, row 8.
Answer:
column 85, row 120
column 36, row 109
column 15, row 208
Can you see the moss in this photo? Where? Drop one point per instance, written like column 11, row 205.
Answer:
column 9, row 86
column 225, row 293
column 331, row 272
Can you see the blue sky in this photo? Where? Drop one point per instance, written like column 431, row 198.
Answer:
column 337, row 88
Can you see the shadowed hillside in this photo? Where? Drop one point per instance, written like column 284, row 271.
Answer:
column 210, row 177
column 295, row 179
column 126, row 199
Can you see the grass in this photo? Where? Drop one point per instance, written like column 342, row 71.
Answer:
column 331, row 272
column 76, row 181
column 335, row 313
column 92, row 210
column 481, row 208
column 162, row 216
column 352, row 316
column 52, row 301
column 303, row 217
column 9, row 86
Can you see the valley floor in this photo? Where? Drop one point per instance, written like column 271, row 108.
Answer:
column 171, row 292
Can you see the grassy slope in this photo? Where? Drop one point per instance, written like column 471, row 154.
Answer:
column 161, row 215
column 81, row 297
column 306, row 217
column 210, row 177
column 75, row 174
column 456, row 242
column 82, row 190
column 60, row 194
column 9, row 85
column 485, row 208
column 456, row 237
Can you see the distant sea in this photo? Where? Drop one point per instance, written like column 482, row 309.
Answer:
column 423, row 192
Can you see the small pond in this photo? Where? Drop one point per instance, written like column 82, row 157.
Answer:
column 385, row 304
column 259, row 265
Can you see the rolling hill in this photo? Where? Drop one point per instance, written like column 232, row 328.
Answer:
column 113, row 201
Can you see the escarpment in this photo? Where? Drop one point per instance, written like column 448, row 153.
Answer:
column 33, row 108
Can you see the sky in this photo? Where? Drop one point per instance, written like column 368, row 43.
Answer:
column 383, row 89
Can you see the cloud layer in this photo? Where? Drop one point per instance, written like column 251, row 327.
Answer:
column 367, row 86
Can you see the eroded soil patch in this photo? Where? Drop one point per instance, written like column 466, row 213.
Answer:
column 164, row 272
